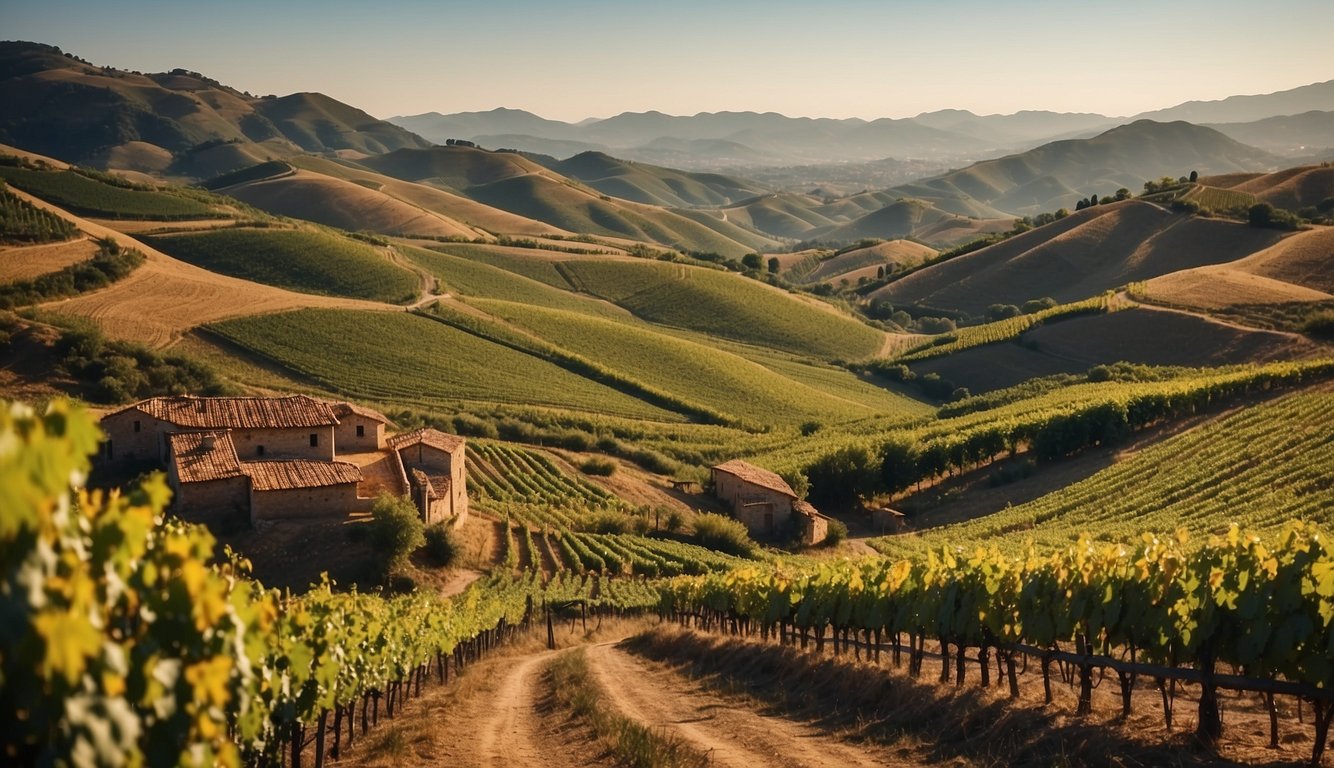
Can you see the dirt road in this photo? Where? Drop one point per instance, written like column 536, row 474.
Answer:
column 730, row 733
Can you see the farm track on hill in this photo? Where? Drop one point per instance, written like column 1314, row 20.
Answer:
column 729, row 732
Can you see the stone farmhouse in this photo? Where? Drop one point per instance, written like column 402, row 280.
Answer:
column 766, row 504
column 244, row 460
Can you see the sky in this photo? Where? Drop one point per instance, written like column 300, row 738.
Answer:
column 596, row 58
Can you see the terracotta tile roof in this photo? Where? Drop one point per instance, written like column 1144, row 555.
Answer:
column 807, row 509
column 756, row 476
column 343, row 409
column 428, row 436
column 204, row 456
column 238, row 412
column 286, row 474
column 439, row 485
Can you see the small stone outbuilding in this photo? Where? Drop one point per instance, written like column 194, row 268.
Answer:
column 766, row 504
column 436, row 471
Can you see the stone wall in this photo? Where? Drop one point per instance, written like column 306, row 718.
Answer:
column 348, row 441
column 292, row 443
column 329, row 501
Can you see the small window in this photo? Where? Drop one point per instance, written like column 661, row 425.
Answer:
column 314, row 441
column 259, row 450
column 136, row 426
column 361, row 430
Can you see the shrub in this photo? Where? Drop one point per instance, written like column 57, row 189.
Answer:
column 674, row 521
column 598, row 466
column 1037, row 305
column 1320, row 324
column 441, row 548
column 838, row 531
column 606, row 521
column 723, row 534
column 396, row 531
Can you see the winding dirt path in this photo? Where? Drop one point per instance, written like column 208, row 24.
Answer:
column 731, row 734
column 509, row 737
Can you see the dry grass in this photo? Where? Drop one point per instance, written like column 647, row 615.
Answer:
column 27, row 262
column 346, row 204
column 164, row 298
column 935, row 723
column 1298, row 268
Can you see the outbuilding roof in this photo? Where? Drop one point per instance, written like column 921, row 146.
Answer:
column 289, row 474
column 427, row 436
column 192, row 412
column 343, row 409
column 204, row 456
column 756, row 476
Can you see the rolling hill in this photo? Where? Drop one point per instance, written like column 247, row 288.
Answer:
column 1298, row 134
column 511, row 182
column 59, row 105
column 1056, row 175
column 1297, row 268
column 654, row 185
column 1291, row 188
column 1082, row 255
column 1242, row 109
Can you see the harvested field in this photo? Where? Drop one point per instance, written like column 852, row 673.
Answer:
column 165, row 297
column 346, row 204
column 27, row 262
column 1218, row 287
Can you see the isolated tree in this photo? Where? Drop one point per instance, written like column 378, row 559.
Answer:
column 1260, row 215
column 1093, row 199
column 396, row 532
column 1122, row 194
column 752, row 261
column 1194, row 176
column 774, row 265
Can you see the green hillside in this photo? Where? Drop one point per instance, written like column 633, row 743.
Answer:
column 725, row 305
column 410, row 360
column 696, row 372
column 301, row 259
column 107, row 197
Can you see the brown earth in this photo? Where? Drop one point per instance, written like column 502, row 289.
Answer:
column 731, row 736
column 29, row 261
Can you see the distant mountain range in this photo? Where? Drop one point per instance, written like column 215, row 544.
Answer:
column 740, row 139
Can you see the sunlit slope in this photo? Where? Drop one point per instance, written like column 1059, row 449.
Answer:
column 403, row 358
column 1082, row 255
column 1259, row 468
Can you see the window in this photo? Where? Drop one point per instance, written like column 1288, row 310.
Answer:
column 361, row 430
column 259, row 450
column 136, row 426
column 314, row 441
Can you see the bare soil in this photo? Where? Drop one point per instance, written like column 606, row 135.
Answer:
column 29, row 261
column 731, row 736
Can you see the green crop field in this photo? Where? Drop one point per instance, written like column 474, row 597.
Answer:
column 1216, row 199
column 301, row 259
column 409, row 360
column 531, row 263
column 693, row 371
column 84, row 196
column 466, row 277
column 1259, row 468
column 725, row 305
column 505, row 473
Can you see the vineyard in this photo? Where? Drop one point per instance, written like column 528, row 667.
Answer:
column 1260, row 467
column 1001, row 330
column 1215, row 199
column 85, row 196
column 724, row 305
column 436, row 365
column 301, row 259
column 504, row 473
column 176, row 661
column 24, row 223
column 1151, row 607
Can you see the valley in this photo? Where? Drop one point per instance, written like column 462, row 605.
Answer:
column 748, row 417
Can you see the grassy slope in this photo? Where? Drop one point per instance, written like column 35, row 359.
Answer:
column 723, row 381
column 1080, row 256
column 406, row 359
column 87, row 197
column 303, row 260
column 725, row 305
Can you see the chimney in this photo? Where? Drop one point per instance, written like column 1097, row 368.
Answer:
column 208, row 442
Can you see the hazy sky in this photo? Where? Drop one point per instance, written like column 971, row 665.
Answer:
column 595, row 58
